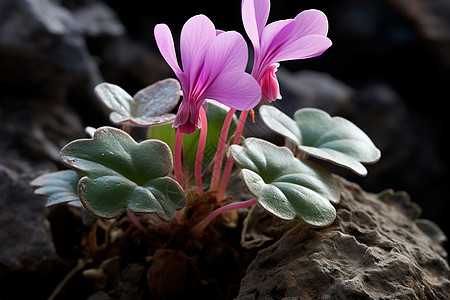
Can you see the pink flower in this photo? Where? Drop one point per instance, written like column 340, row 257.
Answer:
column 299, row 38
column 213, row 64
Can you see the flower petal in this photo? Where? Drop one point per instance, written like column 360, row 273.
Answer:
column 276, row 33
column 305, row 47
column 186, row 128
column 309, row 22
column 254, row 17
column 187, row 118
column 164, row 40
column 238, row 90
column 227, row 53
column 182, row 115
column 196, row 36
column 273, row 40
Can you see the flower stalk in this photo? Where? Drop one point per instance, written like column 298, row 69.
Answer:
column 200, row 152
column 178, row 152
column 198, row 229
column 215, row 179
column 229, row 164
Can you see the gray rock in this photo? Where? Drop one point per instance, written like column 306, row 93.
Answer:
column 372, row 251
column 43, row 52
column 46, row 30
column 31, row 137
column 98, row 20
column 100, row 295
column 26, row 242
column 314, row 89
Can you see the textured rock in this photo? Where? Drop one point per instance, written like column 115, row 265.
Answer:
column 98, row 20
column 372, row 251
column 26, row 243
column 31, row 137
column 43, row 54
column 44, row 33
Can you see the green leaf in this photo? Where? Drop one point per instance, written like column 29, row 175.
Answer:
column 163, row 132
column 432, row 230
column 59, row 187
column 216, row 114
column 284, row 185
column 316, row 133
column 149, row 106
column 121, row 174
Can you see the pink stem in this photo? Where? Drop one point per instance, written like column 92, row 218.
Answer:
column 197, row 229
column 178, row 149
column 201, row 151
column 229, row 164
column 221, row 150
column 126, row 128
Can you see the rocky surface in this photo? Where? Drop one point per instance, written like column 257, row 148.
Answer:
column 25, row 235
column 27, row 252
column 43, row 57
column 43, row 51
column 372, row 251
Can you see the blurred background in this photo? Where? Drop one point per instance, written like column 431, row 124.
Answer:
column 388, row 71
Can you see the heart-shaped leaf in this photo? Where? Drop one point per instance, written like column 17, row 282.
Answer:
column 59, row 187
column 121, row 174
column 216, row 114
column 149, row 106
column 316, row 133
column 284, row 185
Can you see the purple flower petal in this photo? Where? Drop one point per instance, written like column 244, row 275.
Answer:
column 238, row 90
column 164, row 40
column 187, row 118
column 214, row 65
column 227, row 53
column 187, row 128
column 254, row 17
column 307, row 23
column 274, row 38
column 310, row 22
column 276, row 33
column 302, row 37
column 305, row 47
column 196, row 36
column 280, row 42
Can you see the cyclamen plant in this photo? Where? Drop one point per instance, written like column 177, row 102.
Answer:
column 180, row 166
